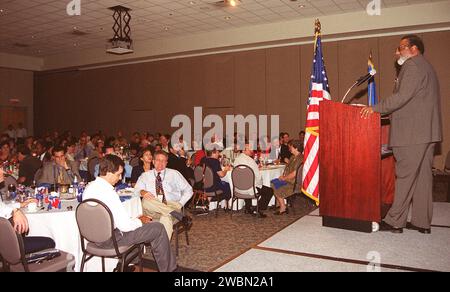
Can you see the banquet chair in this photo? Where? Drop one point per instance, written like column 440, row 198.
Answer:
column 96, row 225
column 13, row 255
column 197, row 186
column 178, row 228
column 297, row 187
column 208, row 182
column 243, row 179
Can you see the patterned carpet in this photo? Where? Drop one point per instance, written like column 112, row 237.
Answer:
column 215, row 241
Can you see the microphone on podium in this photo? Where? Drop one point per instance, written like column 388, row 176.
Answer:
column 366, row 77
column 360, row 81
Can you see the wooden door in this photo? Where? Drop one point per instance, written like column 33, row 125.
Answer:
column 12, row 116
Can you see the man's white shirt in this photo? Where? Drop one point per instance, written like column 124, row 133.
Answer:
column 103, row 191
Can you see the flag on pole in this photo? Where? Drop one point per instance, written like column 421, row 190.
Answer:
column 319, row 90
column 371, row 89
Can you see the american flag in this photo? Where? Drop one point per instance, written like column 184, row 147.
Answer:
column 319, row 90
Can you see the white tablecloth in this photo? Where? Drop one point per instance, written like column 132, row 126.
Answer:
column 268, row 174
column 62, row 227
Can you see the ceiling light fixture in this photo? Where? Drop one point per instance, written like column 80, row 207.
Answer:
column 227, row 3
column 121, row 43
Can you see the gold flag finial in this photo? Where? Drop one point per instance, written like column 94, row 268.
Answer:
column 318, row 27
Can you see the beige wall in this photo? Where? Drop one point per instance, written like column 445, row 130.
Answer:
column 17, row 84
column 21, row 62
column 270, row 81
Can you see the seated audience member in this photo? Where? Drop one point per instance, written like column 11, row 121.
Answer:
column 41, row 152
column 164, row 191
column 20, row 223
column 5, row 152
column 266, row 193
column 181, row 145
column 129, row 231
column 284, row 185
column 58, row 171
column 145, row 164
column 164, row 140
column 180, row 163
column 199, row 155
column 212, row 160
column 70, row 150
column 83, row 149
column 28, row 166
column 158, row 147
column 285, row 154
column 98, row 150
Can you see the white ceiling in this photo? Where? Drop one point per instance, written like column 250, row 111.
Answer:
column 43, row 27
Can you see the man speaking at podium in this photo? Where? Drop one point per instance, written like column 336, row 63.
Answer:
column 415, row 109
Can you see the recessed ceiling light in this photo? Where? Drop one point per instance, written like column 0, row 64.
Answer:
column 232, row 3
column 33, row 36
column 166, row 28
column 227, row 17
column 192, row 2
column 170, row 13
column 301, row 6
column 75, row 44
column 1, row 10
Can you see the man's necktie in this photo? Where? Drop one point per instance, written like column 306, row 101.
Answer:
column 160, row 189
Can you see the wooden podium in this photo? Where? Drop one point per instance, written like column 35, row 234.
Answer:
column 356, row 186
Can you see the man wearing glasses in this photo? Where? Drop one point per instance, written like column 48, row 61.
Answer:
column 416, row 127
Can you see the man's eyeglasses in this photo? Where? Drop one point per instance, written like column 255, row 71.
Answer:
column 401, row 47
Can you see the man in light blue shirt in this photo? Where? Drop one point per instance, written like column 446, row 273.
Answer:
column 164, row 191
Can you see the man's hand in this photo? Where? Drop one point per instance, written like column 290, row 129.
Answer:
column 145, row 219
column 20, row 222
column 366, row 112
column 2, row 175
column 147, row 195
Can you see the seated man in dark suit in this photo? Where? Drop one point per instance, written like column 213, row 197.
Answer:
column 58, row 171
